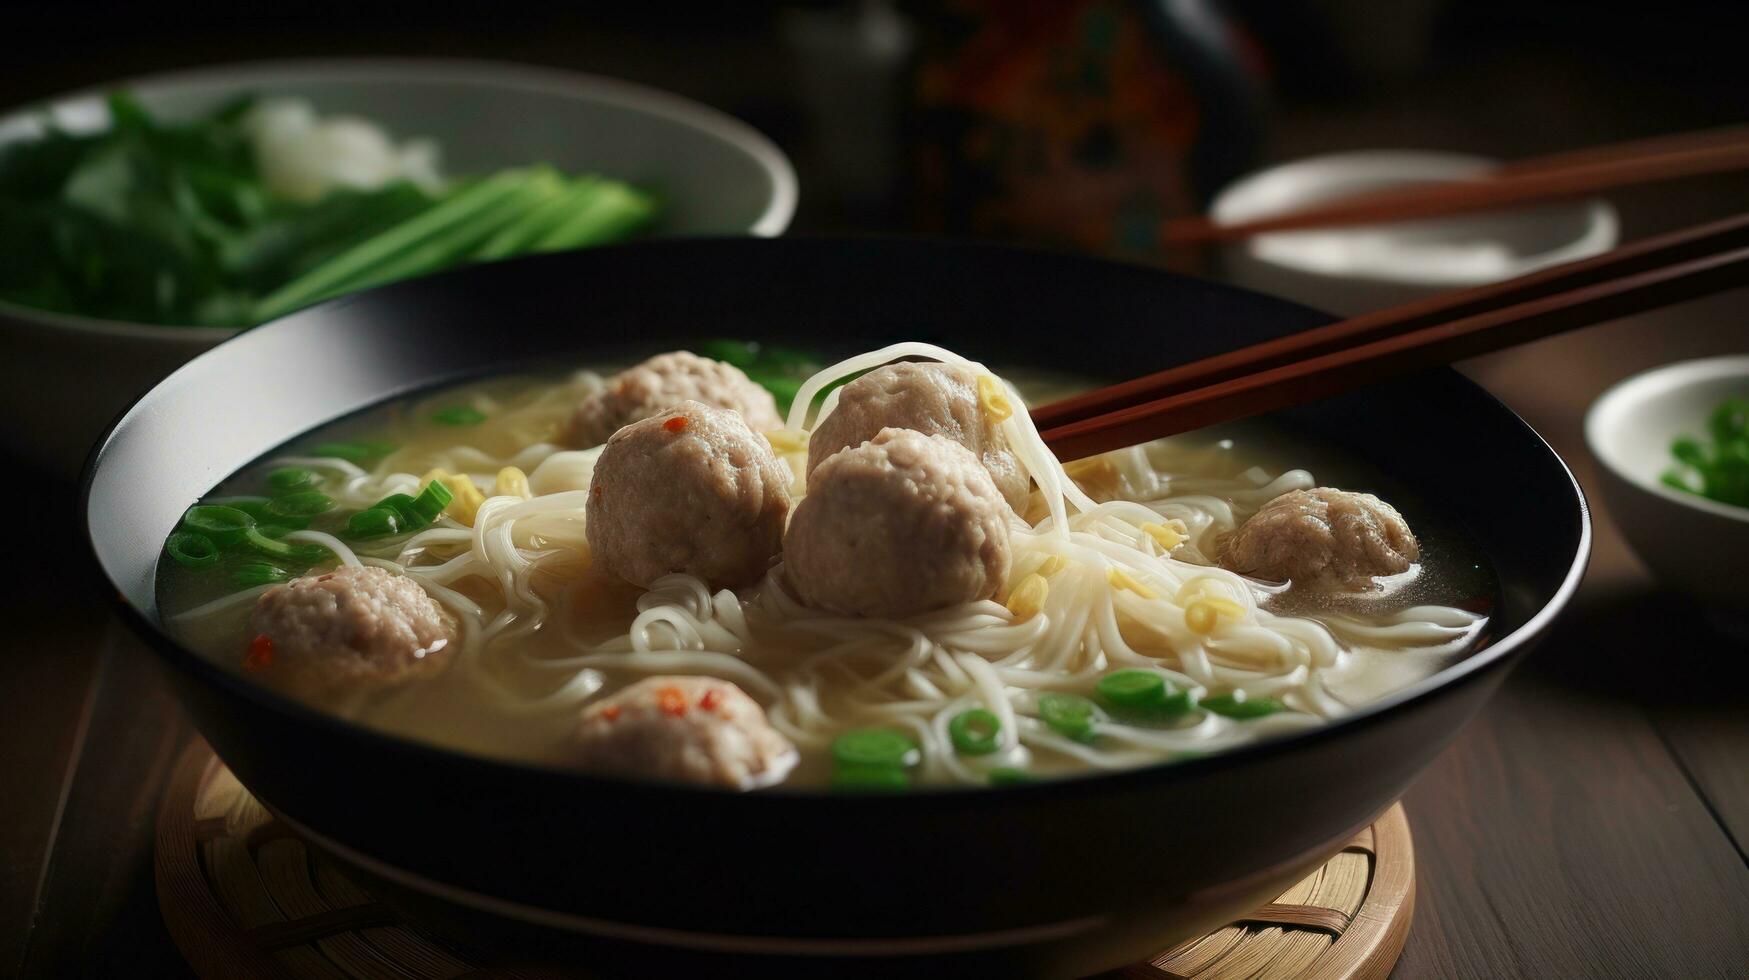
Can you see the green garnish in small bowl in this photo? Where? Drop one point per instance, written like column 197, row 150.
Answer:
column 1715, row 466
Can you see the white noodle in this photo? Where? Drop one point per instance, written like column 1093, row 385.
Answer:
column 819, row 675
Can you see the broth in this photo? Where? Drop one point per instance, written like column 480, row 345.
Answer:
column 518, row 694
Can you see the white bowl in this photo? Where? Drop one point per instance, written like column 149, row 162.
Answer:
column 1353, row 270
column 69, row 376
column 1691, row 544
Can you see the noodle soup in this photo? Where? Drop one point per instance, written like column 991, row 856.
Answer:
column 1108, row 635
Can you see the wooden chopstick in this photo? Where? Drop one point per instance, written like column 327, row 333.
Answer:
column 1587, row 172
column 1636, row 257
column 1670, row 143
column 1429, row 345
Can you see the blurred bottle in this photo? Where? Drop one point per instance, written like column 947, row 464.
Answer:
column 1083, row 123
column 850, row 60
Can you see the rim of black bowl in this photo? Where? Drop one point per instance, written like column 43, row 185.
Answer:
column 1462, row 671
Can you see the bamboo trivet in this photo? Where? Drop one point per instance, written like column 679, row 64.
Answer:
column 245, row 899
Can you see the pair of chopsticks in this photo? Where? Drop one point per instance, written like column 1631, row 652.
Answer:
column 1328, row 360
column 1555, row 177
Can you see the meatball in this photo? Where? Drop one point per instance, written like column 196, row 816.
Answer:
column 1324, row 537
column 902, row 524
column 691, row 490
column 683, row 729
column 349, row 629
column 663, row 382
column 934, row 399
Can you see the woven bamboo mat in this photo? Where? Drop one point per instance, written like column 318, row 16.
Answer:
column 243, row 898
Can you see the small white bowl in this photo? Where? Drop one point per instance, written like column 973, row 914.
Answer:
column 1353, row 270
column 1691, row 544
column 70, row 376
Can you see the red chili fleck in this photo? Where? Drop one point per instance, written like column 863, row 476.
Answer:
column 675, row 424
column 611, row 712
column 710, row 699
column 260, row 655
column 672, row 701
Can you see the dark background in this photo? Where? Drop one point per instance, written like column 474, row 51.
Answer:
column 1591, row 822
column 1509, row 77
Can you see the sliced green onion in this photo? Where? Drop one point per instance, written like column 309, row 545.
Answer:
column 1132, row 688
column 1715, row 468
column 1237, row 705
column 307, row 503
column 975, row 732
column 224, row 526
column 1688, row 450
column 374, row 522
column 352, row 452
column 309, row 554
column 253, row 573
column 402, row 505
column 459, row 415
column 1177, row 702
column 360, row 451
column 1010, row 776
column 1730, row 421
column 192, row 550
column 290, row 479
column 873, row 747
column 255, row 507
column 1069, row 715
column 399, row 513
column 432, row 500
column 1141, row 695
column 870, row 779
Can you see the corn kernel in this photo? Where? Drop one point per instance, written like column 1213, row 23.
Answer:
column 1168, row 535
column 1028, row 598
column 994, row 397
column 1121, row 579
column 466, row 498
column 512, row 482
column 1052, row 565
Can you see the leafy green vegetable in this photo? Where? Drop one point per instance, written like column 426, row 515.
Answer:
column 778, row 369
column 172, row 223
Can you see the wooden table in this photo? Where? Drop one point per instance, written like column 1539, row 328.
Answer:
column 1591, row 822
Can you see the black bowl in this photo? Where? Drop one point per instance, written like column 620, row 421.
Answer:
column 1054, row 878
